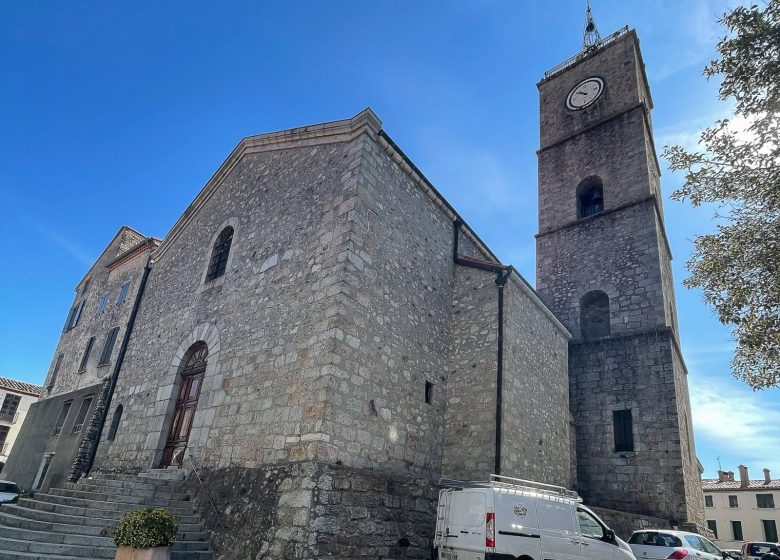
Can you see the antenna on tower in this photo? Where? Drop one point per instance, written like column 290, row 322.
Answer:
column 590, row 36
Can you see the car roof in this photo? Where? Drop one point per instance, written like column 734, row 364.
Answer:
column 668, row 532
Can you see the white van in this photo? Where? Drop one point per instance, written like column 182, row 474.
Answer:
column 508, row 519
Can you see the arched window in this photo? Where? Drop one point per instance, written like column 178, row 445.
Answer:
column 590, row 197
column 115, row 420
column 594, row 315
column 219, row 256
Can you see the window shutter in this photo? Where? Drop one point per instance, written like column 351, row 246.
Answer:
column 85, row 357
column 123, row 293
column 76, row 315
column 108, row 347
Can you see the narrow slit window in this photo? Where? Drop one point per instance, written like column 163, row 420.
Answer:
column 428, row 392
column 85, row 356
column 624, row 430
column 108, row 347
column 219, row 255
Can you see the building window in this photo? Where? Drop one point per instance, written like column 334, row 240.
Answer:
column 428, row 392
column 61, row 418
column 82, row 415
column 736, row 530
column 3, row 435
column 108, row 347
column 624, row 431
column 219, row 256
column 73, row 316
column 123, row 293
column 713, row 526
column 733, row 502
column 10, row 406
column 101, row 304
column 770, row 530
column 765, row 501
column 56, row 370
column 594, row 315
column 590, row 197
column 85, row 356
column 708, row 501
column 115, row 420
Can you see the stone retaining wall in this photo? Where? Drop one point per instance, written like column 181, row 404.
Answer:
column 315, row 510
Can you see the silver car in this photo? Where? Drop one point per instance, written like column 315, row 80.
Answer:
column 673, row 545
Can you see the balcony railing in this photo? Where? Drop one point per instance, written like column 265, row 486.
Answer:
column 4, row 448
column 580, row 55
column 9, row 417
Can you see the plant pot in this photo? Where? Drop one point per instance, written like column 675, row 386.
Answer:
column 130, row 553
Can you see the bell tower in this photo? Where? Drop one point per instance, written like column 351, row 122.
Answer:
column 604, row 267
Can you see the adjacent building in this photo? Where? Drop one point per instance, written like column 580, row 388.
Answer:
column 15, row 399
column 321, row 337
column 742, row 510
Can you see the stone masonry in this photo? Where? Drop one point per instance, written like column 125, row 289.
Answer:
column 621, row 251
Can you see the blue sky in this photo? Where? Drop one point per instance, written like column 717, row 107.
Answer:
column 117, row 113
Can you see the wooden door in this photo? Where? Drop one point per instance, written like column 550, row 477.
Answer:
column 191, row 379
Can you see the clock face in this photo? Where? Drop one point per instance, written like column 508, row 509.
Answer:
column 585, row 93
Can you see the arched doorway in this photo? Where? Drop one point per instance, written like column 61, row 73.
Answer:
column 190, row 381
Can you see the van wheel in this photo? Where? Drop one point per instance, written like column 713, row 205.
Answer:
column 524, row 558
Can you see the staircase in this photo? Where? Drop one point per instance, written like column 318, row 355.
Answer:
column 75, row 523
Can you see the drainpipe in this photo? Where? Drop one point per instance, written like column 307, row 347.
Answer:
column 502, row 275
column 115, row 373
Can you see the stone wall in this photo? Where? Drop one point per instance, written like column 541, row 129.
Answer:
column 621, row 251
column 102, row 281
column 638, row 373
column 312, row 509
column 535, row 442
column 36, row 438
column 470, row 425
column 269, row 321
column 625, row 523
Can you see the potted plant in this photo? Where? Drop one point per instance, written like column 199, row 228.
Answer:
column 145, row 534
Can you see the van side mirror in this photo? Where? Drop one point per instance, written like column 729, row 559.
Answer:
column 609, row 535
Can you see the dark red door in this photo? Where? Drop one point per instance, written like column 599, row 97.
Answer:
column 186, row 403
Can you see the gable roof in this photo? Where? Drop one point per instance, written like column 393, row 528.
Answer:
column 20, row 387
column 345, row 130
column 713, row 484
column 126, row 239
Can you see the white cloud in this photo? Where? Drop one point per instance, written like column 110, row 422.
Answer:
column 737, row 421
column 69, row 247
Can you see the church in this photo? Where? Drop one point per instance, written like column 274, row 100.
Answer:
column 320, row 338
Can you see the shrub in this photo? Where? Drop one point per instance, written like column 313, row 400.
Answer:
column 146, row 528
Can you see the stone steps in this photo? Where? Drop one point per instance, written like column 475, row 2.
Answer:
column 103, row 504
column 75, row 523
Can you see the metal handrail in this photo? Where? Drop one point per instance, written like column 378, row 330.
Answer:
column 203, row 487
column 582, row 54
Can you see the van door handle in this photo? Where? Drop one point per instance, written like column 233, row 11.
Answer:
column 464, row 532
column 575, row 541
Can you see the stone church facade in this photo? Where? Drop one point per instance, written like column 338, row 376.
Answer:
column 321, row 338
